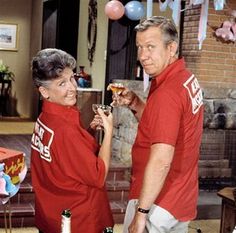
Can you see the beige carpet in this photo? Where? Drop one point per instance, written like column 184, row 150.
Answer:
column 117, row 229
column 206, row 226
column 8, row 127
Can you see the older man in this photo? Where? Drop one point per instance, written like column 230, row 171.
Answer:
column 164, row 184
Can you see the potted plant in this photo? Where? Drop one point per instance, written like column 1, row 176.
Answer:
column 5, row 73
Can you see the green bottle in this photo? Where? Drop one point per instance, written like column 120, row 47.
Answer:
column 66, row 221
column 108, row 230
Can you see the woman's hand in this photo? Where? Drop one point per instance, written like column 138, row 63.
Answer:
column 96, row 122
column 102, row 121
column 107, row 121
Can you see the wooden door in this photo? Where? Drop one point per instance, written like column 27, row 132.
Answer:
column 59, row 16
column 121, row 51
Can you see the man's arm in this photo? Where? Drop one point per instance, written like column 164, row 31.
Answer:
column 156, row 171
column 130, row 99
column 137, row 106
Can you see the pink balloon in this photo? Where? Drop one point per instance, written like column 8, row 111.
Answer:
column 114, row 9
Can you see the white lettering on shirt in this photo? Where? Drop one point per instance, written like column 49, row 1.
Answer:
column 195, row 93
column 42, row 140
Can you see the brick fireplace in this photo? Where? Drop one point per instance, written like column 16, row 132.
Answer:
column 217, row 164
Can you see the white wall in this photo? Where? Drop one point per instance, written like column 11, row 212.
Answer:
column 97, row 70
column 20, row 13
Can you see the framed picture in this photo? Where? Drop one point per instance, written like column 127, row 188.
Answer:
column 8, row 36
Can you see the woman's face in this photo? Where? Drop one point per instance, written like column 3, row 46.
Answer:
column 61, row 90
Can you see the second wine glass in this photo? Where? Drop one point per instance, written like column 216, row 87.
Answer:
column 105, row 108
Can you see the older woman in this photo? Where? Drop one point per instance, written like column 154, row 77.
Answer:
column 68, row 167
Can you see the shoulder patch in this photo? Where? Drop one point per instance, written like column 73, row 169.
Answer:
column 42, row 139
column 195, row 93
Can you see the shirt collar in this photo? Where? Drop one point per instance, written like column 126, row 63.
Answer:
column 171, row 69
column 69, row 113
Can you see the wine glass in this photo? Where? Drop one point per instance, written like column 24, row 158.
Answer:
column 105, row 108
column 116, row 89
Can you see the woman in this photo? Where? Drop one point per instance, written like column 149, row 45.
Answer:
column 67, row 165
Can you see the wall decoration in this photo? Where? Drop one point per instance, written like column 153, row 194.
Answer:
column 227, row 31
column 92, row 30
column 202, row 28
column 8, row 36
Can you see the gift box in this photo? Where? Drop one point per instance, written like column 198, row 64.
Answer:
column 14, row 163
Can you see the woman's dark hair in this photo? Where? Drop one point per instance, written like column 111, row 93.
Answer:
column 48, row 64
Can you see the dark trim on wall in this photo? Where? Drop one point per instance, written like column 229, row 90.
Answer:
column 181, row 27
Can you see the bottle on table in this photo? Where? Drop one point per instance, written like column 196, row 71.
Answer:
column 66, row 221
column 108, row 230
column 234, row 231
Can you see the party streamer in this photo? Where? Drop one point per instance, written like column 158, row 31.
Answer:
column 149, row 8
column 219, row 4
column 163, row 5
column 203, row 23
column 196, row 2
column 176, row 7
column 145, row 81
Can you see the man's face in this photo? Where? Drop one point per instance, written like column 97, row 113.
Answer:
column 152, row 52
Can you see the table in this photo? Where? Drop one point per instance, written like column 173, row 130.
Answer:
column 13, row 171
column 228, row 210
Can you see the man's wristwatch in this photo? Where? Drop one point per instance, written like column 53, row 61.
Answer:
column 141, row 210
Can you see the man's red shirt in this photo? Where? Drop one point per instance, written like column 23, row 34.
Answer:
column 173, row 115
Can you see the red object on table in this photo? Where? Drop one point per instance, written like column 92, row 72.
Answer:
column 15, row 168
column 14, row 163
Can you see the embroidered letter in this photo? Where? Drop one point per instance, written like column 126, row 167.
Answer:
column 195, row 93
column 42, row 140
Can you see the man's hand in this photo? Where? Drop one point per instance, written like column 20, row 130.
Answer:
column 122, row 96
column 138, row 223
column 125, row 98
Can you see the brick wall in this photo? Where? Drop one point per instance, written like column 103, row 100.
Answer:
column 215, row 63
column 217, row 154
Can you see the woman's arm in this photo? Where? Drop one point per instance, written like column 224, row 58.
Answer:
column 105, row 149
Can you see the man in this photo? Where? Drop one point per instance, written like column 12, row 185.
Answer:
column 164, row 183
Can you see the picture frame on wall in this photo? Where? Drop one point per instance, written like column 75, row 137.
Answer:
column 8, row 36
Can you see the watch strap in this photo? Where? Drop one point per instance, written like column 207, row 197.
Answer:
column 144, row 211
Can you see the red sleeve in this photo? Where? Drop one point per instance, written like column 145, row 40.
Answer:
column 164, row 111
column 76, row 152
